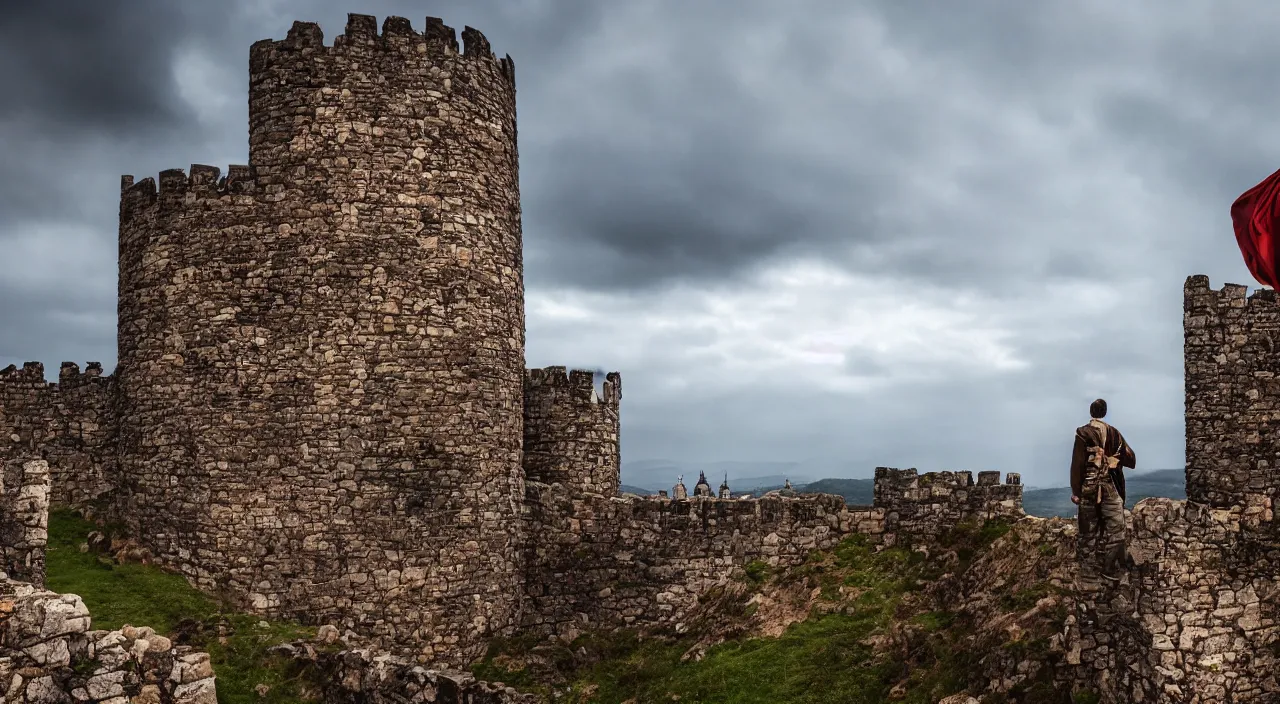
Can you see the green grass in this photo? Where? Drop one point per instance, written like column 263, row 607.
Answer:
column 118, row 594
column 130, row 594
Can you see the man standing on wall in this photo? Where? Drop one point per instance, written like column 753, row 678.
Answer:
column 1097, row 487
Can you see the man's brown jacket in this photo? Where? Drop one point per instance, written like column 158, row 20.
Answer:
column 1087, row 436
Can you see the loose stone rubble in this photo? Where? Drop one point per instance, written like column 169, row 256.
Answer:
column 49, row 654
column 373, row 677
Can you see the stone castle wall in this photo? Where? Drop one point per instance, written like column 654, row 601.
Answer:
column 1198, row 620
column 70, row 423
column 24, row 518
column 643, row 562
column 1232, row 393
column 918, row 508
column 321, row 354
column 633, row 561
column 321, row 364
column 570, row 434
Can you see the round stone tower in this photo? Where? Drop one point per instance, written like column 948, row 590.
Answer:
column 322, row 353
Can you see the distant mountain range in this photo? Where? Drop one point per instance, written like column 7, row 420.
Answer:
column 1046, row 503
column 1167, row 483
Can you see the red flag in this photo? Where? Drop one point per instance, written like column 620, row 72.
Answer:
column 1256, row 216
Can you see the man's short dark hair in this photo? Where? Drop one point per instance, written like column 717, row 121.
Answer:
column 1098, row 409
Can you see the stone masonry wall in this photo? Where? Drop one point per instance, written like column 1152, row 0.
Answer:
column 1197, row 621
column 597, row 560
column 570, row 434
column 49, row 654
column 322, row 354
column 1232, row 393
column 70, row 423
column 24, row 518
column 629, row 561
column 919, row 508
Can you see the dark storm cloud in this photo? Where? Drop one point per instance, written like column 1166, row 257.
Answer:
column 626, row 217
column 105, row 67
column 86, row 78
column 88, row 87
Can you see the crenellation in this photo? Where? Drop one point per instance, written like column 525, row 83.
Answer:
column 475, row 44
column 204, row 178
column 439, row 34
column 135, row 196
column 398, row 28
column 173, row 182
column 361, row 28
column 473, row 61
column 301, row 36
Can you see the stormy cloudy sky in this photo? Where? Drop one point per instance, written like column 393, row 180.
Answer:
column 843, row 234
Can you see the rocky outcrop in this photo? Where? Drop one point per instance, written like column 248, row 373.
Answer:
column 49, row 654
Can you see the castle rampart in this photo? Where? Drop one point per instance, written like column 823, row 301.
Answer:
column 321, row 355
column 920, row 507
column 570, row 432
column 635, row 561
column 70, row 423
column 630, row 561
column 1232, row 393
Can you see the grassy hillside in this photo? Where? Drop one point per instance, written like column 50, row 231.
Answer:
column 120, row 594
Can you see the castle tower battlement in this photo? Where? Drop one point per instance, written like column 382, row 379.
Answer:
column 1231, row 353
column 321, row 354
column 571, row 432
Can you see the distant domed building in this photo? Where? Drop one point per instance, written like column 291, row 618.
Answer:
column 703, row 487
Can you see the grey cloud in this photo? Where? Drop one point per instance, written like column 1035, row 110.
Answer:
column 673, row 155
column 861, row 363
column 92, row 65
